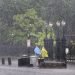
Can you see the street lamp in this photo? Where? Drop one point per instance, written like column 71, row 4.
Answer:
column 48, row 42
column 60, row 43
column 51, row 25
column 63, row 23
column 63, row 41
column 52, row 51
column 57, row 52
column 28, row 41
column 58, row 25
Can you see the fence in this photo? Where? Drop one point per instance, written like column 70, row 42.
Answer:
column 13, row 50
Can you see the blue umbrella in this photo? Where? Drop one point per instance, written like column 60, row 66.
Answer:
column 37, row 51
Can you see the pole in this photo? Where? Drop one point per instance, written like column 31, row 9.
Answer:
column 51, row 47
column 63, row 46
column 46, row 32
column 51, row 33
column 58, row 46
column 28, row 46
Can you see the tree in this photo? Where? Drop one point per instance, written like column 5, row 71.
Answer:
column 48, row 10
column 28, row 24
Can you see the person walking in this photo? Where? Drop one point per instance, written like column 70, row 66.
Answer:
column 37, row 52
column 44, row 53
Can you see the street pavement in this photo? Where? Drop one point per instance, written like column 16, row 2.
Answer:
column 15, row 70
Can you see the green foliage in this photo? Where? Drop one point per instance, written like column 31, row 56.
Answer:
column 41, row 37
column 28, row 24
column 23, row 17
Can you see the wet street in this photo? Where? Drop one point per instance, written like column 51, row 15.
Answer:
column 8, row 70
column 15, row 70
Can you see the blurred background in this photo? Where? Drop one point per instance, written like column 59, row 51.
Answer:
column 36, row 20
